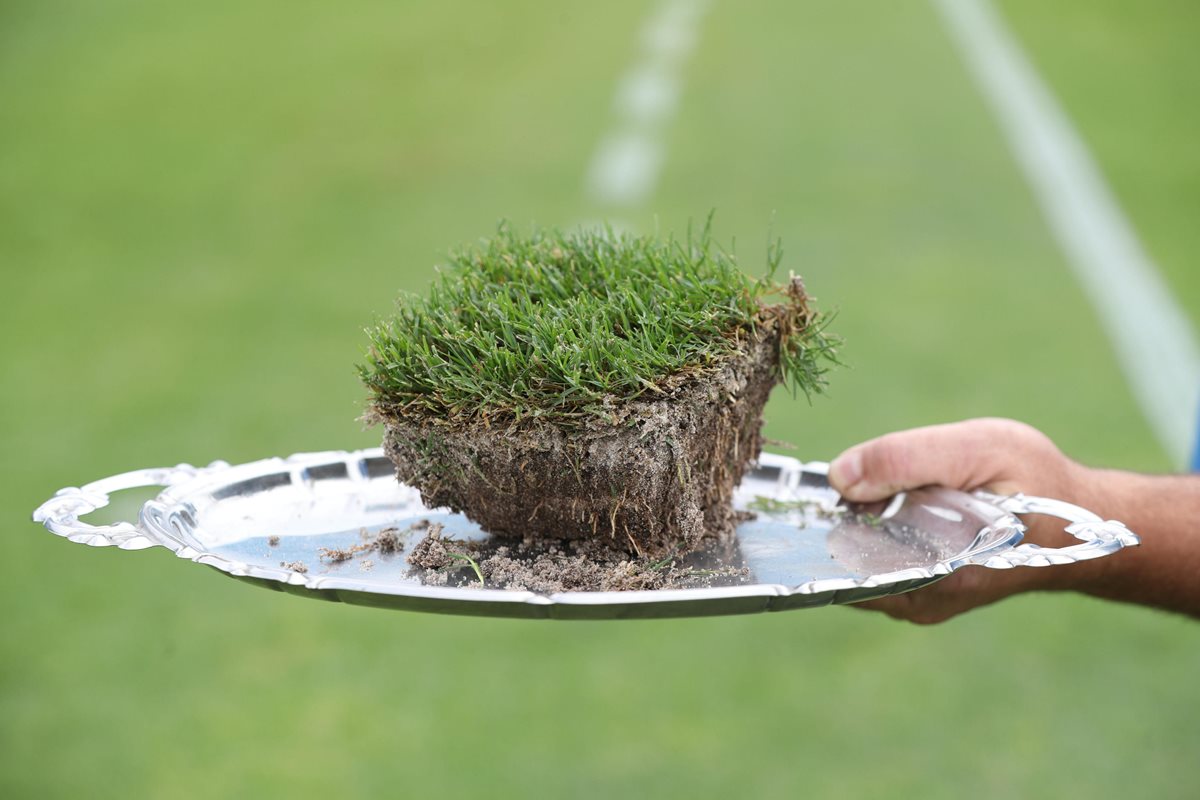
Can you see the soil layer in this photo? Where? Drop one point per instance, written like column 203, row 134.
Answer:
column 548, row 566
column 652, row 479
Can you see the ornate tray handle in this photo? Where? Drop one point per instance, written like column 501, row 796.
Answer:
column 60, row 514
column 1098, row 537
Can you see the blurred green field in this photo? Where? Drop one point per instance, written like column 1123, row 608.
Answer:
column 201, row 206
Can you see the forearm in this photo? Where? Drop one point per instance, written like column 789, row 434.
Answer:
column 1164, row 571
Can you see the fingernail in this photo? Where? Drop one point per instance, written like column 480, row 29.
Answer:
column 846, row 471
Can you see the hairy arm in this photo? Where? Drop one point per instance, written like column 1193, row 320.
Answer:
column 1007, row 457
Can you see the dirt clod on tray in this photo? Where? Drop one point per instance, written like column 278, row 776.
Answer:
column 546, row 566
column 431, row 552
column 336, row 555
column 387, row 541
column 390, row 541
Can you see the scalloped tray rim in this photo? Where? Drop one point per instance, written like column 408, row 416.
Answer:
column 157, row 529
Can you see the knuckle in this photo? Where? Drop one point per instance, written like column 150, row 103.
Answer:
column 886, row 459
column 1020, row 433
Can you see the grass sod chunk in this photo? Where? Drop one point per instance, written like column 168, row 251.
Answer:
column 590, row 384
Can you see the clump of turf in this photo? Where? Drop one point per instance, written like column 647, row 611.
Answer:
column 590, row 384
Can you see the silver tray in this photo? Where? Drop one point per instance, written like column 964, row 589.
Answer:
column 804, row 548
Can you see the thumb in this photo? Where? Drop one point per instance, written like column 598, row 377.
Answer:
column 961, row 455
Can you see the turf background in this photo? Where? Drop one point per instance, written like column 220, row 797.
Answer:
column 202, row 204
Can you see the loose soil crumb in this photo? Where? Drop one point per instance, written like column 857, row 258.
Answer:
column 272, row 541
column 336, row 555
column 570, row 565
column 389, row 540
column 386, row 542
column 294, row 566
column 431, row 552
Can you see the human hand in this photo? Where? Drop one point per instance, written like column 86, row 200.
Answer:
column 1000, row 455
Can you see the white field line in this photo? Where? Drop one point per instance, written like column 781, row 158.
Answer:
column 1154, row 341
column 625, row 168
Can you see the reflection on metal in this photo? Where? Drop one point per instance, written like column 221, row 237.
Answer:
column 804, row 548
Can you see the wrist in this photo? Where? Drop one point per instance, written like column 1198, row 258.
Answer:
column 1104, row 492
column 1090, row 489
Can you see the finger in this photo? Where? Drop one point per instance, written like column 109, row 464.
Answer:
column 962, row 455
column 897, row 606
column 925, row 606
column 884, row 604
